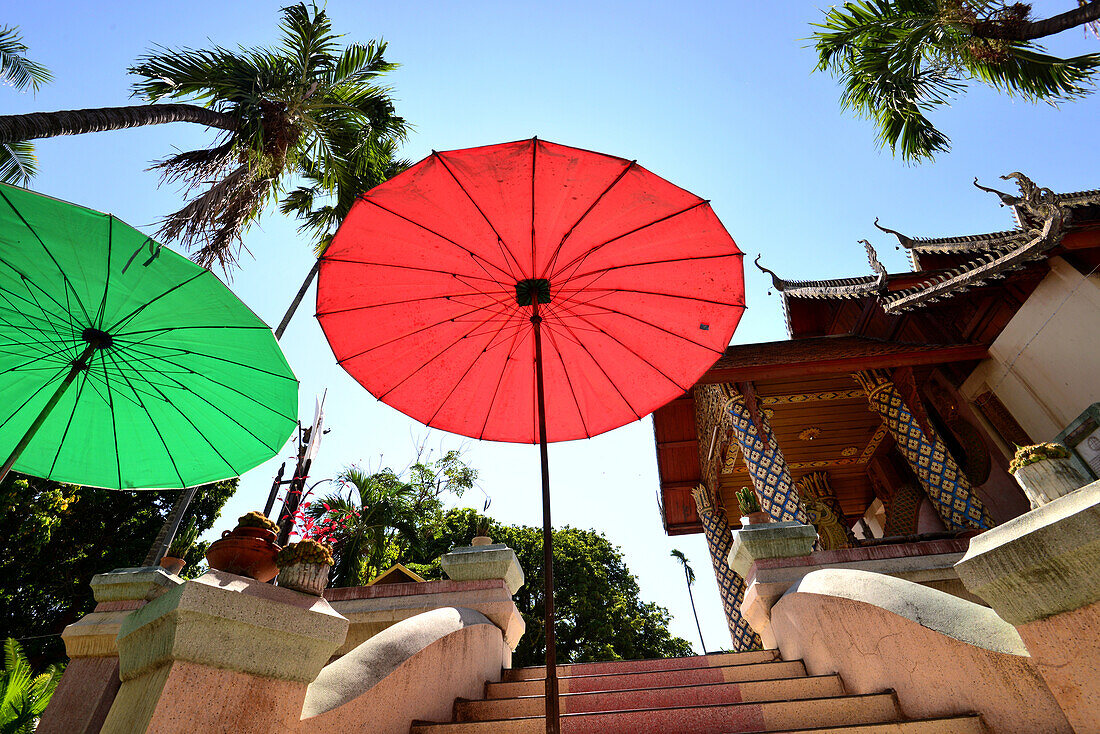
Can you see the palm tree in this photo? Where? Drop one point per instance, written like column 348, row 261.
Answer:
column 900, row 59
column 17, row 160
column 283, row 111
column 689, row 576
column 370, row 160
column 23, row 695
column 361, row 520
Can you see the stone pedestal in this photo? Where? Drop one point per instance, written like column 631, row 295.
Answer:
column 221, row 653
column 755, row 542
column 481, row 562
column 90, row 683
column 1041, row 573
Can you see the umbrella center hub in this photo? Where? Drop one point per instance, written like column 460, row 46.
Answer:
column 98, row 339
column 532, row 290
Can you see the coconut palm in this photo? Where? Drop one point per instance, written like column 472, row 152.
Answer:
column 370, row 160
column 17, row 160
column 361, row 519
column 23, row 695
column 901, row 59
column 280, row 108
column 689, row 576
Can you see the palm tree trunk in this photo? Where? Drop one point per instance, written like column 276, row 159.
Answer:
column 692, row 598
column 1087, row 13
column 76, row 122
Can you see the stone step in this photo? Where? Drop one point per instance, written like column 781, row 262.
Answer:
column 651, row 679
column 767, row 716
column 783, row 689
column 626, row 666
column 965, row 724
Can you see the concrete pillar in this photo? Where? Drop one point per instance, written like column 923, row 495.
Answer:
column 221, row 653
column 769, row 471
column 941, row 478
column 731, row 587
column 1041, row 573
column 90, row 683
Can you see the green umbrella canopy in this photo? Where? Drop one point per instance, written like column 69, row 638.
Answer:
column 184, row 385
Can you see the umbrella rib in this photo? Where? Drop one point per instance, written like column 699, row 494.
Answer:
column 496, row 391
column 188, row 390
column 187, row 371
column 695, row 258
column 107, row 278
column 557, row 250
column 500, row 240
column 28, row 282
column 648, row 323
column 114, row 422
column 129, row 317
column 400, row 303
column 590, row 289
column 642, row 359
column 479, row 259
column 31, row 397
column 72, row 414
column 447, row 348
column 57, row 317
column 185, row 328
column 413, row 267
column 181, row 351
column 64, row 277
column 569, row 381
column 604, row 373
column 38, row 338
column 52, row 325
column 577, row 261
column 149, row 415
column 411, row 333
column 463, row 376
column 45, row 355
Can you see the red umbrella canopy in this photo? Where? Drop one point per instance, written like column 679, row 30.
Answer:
column 425, row 292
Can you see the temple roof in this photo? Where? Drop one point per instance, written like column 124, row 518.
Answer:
column 1043, row 216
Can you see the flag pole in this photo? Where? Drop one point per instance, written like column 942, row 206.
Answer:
column 552, row 713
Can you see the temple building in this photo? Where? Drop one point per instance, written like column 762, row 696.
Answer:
column 888, row 419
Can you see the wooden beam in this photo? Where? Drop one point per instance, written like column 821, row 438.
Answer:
column 954, row 353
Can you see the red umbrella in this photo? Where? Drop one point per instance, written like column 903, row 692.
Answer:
column 481, row 285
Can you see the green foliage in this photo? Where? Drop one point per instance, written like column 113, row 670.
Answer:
column 599, row 615
column 184, row 539
column 18, row 163
column 306, row 551
column 23, row 695
column 899, row 60
column 747, row 500
column 1026, row 455
column 255, row 519
column 55, row 537
column 303, row 107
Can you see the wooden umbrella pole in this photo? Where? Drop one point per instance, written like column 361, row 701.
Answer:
column 552, row 715
column 78, row 365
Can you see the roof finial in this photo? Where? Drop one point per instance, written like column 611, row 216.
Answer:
column 906, row 242
column 1006, row 199
column 778, row 283
column 872, row 258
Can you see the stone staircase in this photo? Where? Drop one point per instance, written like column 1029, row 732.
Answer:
column 711, row 694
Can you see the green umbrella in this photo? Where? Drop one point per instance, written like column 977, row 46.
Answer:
column 124, row 365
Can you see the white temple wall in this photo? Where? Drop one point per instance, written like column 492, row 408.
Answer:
column 1045, row 365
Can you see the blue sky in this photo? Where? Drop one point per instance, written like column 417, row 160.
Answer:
column 717, row 97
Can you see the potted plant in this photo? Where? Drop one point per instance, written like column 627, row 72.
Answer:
column 304, row 566
column 750, row 508
column 482, row 537
column 173, row 561
column 247, row 550
column 1044, row 471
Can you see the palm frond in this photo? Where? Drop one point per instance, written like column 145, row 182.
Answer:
column 15, row 68
column 18, row 163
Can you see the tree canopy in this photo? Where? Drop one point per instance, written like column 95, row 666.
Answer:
column 899, row 60
column 599, row 612
column 55, row 537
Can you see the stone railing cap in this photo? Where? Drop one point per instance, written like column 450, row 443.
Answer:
column 133, row 584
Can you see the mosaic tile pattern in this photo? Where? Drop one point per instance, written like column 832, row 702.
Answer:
column 943, row 481
column 769, row 471
column 731, row 586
